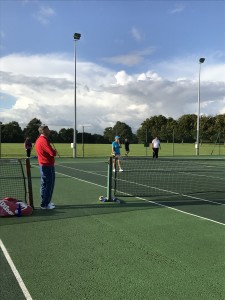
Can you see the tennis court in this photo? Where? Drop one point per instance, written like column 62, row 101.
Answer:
column 166, row 243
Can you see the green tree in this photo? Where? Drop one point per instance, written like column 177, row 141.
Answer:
column 108, row 134
column 144, row 134
column 11, row 133
column 207, row 129
column 31, row 129
column 212, row 129
column 2, row 133
column 168, row 130
column 54, row 137
column 187, row 128
column 220, row 128
column 123, row 130
column 150, row 128
column 66, row 135
column 220, row 123
column 99, row 139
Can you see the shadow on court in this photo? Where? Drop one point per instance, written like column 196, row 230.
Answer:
column 66, row 211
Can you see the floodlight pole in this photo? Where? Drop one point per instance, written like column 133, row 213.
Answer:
column 76, row 37
column 201, row 61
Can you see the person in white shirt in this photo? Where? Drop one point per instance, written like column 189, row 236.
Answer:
column 155, row 147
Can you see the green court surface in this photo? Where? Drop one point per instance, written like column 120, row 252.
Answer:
column 143, row 248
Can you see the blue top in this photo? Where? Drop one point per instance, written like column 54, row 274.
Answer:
column 116, row 147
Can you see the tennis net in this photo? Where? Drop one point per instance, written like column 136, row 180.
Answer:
column 159, row 177
column 15, row 180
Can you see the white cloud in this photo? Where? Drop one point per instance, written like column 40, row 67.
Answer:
column 178, row 8
column 44, row 14
column 189, row 68
column 122, row 78
column 130, row 59
column 43, row 87
column 136, row 34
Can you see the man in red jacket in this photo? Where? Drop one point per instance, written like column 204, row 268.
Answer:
column 46, row 159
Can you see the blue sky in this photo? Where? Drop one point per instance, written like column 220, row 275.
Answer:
column 135, row 59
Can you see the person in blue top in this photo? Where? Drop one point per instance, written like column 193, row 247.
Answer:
column 116, row 153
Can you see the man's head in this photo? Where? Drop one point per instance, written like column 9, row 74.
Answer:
column 117, row 138
column 43, row 129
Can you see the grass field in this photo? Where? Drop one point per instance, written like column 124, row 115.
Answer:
column 98, row 150
column 145, row 248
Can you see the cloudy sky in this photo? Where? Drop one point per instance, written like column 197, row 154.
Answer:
column 135, row 59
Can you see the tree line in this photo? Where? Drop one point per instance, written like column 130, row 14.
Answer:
column 183, row 130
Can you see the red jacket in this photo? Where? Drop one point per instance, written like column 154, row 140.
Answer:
column 45, row 151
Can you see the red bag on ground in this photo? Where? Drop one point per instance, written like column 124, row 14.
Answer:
column 13, row 207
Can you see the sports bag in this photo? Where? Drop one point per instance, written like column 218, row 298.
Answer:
column 13, row 207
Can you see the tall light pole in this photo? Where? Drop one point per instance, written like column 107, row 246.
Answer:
column 76, row 37
column 201, row 61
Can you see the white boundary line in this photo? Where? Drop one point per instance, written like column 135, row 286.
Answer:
column 153, row 202
column 156, row 203
column 15, row 272
column 181, row 211
column 79, row 179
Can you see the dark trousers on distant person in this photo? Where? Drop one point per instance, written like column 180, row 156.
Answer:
column 155, row 152
column 28, row 152
column 127, row 150
column 47, row 184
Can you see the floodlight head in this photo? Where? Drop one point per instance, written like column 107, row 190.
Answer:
column 201, row 60
column 76, row 36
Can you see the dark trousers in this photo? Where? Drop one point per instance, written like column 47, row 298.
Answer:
column 28, row 152
column 155, row 152
column 47, row 184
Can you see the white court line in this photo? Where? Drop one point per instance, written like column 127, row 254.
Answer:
column 15, row 272
column 84, row 171
column 153, row 202
column 169, row 192
column 82, row 179
column 79, row 179
column 183, row 212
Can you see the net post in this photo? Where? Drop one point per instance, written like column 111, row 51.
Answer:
column 29, row 183
column 109, row 179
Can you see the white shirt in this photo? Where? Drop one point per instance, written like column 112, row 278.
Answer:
column 156, row 143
